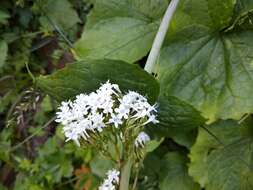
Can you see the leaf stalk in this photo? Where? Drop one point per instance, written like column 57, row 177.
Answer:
column 125, row 175
column 160, row 36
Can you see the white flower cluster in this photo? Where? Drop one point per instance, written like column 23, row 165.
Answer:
column 141, row 139
column 91, row 113
column 111, row 180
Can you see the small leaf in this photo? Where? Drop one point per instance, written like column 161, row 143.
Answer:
column 152, row 145
column 46, row 104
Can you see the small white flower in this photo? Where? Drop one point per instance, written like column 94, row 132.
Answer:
column 82, row 103
column 115, row 120
column 108, row 107
column 111, row 181
column 65, row 115
column 113, row 175
column 107, row 186
column 109, row 89
column 97, row 122
column 73, row 132
column 122, row 111
column 141, row 114
column 72, row 135
column 141, row 139
column 151, row 119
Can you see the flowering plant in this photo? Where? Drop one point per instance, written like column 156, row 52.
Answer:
column 108, row 117
column 200, row 75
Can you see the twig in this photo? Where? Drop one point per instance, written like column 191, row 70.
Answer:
column 68, row 181
column 157, row 44
column 29, row 72
column 32, row 135
column 40, row 45
column 56, row 27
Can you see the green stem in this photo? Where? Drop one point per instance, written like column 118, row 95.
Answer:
column 162, row 31
column 125, row 175
column 136, row 179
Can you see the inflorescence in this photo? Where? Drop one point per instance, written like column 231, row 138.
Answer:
column 106, row 107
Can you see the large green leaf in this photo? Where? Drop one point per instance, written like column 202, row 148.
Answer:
column 205, row 66
column 177, row 120
column 220, row 12
column 122, row 30
column 3, row 52
column 231, row 169
column 125, row 29
column 174, row 175
column 175, row 113
column 222, row 157
column 140, row 9
column 205, row 15
column 213, row 73
column 194, row 19
column 86, row 76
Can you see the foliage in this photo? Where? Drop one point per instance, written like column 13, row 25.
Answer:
column 226, row 164
column 3, row 49
column 65, row 83
column 138, row 20
column 33, row 153
column 204, row 93
column 174, row 173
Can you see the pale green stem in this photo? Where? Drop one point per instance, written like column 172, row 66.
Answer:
column 157, row 44
column 136, row 179
column 125, row 174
